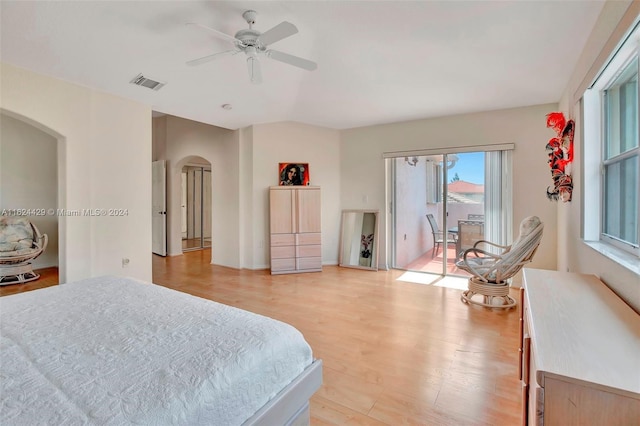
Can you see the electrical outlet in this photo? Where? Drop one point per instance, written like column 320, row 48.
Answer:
column 125, row 262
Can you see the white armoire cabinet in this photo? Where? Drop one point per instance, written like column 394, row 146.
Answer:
column 295, row 229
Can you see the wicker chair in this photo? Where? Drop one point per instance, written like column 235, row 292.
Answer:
column 20, row 243
column 491, row 271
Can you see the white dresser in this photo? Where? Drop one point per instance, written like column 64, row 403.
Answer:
column 580, row 352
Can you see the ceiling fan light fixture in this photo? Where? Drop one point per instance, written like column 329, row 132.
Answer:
column 251, row 52
column 253, row 66
column 253, row 43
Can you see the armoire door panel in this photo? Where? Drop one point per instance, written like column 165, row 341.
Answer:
column 282, row 205
column 308, row 208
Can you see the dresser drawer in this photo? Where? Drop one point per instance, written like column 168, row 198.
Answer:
column 309, row 263
column 278, row 265
column 283, row 252
column 282, row 239
column 309, row 251
column 310, row 238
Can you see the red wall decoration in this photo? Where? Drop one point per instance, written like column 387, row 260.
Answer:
column 560, row 150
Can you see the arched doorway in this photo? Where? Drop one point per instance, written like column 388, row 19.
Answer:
column 31, row 167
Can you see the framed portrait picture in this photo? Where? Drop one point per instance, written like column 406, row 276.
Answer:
column 294, row 174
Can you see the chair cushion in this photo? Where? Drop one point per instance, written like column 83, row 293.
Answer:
column 480, row 264
column 15, row 233
column 18, row 252
column 527, row 226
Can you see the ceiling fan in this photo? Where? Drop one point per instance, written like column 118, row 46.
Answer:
column 254, row 43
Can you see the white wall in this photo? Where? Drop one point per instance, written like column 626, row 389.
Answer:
column 104, row 148
column 159, row 137
column 413, row 232
column 576, row 256
column 244, row 164
column 249, row 249
column 362, row 149
column 294, row 143
column 29, row 169
column 221, row 148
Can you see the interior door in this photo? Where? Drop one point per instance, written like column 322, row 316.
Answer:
column 183, row 205
column 159, row 208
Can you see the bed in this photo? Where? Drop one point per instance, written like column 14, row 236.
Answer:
column 115, row 350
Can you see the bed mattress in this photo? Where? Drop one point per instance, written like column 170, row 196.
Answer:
column 115, row 350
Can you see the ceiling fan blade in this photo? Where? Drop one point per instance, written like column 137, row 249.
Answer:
column 277, row 33
column 255, row 73
column 292, row 60
column 216, row 33
column 208, row 58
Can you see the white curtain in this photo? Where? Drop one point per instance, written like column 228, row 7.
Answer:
column 498, row 197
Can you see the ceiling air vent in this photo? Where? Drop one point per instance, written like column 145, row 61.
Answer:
column 141, row 80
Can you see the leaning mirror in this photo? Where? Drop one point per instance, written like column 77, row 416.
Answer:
column 359, row 239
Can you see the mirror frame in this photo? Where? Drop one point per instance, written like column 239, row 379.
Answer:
column 376, row 236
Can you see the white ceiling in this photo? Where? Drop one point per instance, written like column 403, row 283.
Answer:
column 378, row 61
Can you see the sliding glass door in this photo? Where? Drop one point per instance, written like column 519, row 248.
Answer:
column 443, row 203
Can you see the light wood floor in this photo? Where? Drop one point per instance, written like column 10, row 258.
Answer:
column 394, row 352
column 48, row 277
column 427, row 262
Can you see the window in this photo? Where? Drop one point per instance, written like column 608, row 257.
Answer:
column 614, row 103
column 620, row 157
column 434, row 181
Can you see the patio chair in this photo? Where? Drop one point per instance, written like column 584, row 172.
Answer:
column 20, row 243
column 439, row 236
column 472, row 216
column 490, row 271
column 469, row 233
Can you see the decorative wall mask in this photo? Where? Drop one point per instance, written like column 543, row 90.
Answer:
column 560, row 150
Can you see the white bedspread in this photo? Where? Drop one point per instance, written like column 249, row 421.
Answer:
column 117, row 351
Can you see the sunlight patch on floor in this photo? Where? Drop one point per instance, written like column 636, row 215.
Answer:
column 434, row 280
column 453, row 282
